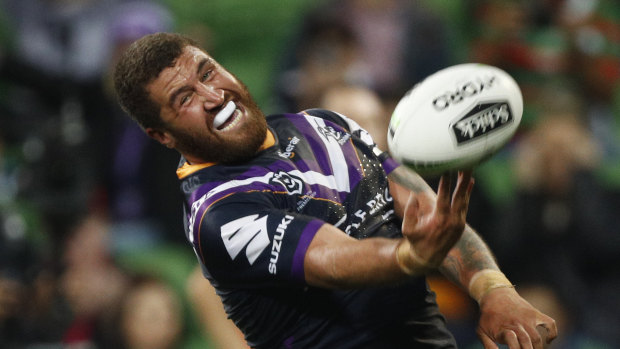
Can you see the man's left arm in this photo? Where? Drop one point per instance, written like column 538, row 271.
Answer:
column 506, row 317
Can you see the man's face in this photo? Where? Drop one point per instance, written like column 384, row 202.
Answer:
column 209, row 116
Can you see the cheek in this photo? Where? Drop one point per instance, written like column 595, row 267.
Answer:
column 194, row 134
column 194, row 112
column 192, row 119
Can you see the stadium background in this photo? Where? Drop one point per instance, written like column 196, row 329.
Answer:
column 88, row 207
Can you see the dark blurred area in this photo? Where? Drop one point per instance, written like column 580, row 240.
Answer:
column 91, row 233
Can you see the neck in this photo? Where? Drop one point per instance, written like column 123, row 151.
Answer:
column 195, row 160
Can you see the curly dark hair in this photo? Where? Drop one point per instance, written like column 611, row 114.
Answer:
column 138, row 66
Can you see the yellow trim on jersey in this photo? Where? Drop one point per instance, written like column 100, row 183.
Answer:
column 187, row 168
column 270, row 140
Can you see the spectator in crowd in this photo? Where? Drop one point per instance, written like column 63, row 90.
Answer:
column 386, row 46
column 150, row 315
column 140, row 221
column 53, row 71
column 92, row 284
column 362, row 105
column 211, row 315
column 595, row 47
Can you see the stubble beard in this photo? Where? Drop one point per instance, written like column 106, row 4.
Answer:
column 216, row 149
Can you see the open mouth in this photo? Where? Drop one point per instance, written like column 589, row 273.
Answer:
column 227, row 118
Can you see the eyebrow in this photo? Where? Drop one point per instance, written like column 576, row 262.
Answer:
column 180, row 90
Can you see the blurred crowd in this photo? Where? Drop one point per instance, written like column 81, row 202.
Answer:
column 92, row 251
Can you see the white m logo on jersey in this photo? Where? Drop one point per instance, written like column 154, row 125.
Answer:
column 246, row 231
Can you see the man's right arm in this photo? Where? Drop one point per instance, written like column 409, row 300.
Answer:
column 336, row 260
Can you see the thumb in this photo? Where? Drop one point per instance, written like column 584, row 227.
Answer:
column 410, row 217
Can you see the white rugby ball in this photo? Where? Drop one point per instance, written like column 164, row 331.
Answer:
column 455, row 119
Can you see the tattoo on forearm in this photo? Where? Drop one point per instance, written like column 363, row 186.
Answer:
column 409, row 179
column 468, row 255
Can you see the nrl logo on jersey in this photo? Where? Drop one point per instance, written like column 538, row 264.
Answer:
column 330, row 132
column 292, row 184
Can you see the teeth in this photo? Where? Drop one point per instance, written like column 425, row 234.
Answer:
column 233, row 123
column 224, row 114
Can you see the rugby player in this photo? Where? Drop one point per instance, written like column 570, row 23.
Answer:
column 311, row 235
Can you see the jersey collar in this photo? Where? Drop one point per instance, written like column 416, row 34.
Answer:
column 187, row 169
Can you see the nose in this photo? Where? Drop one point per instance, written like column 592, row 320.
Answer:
column 212, row 97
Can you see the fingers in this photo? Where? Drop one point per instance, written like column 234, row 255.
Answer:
column 458, row 204
column 410, row 218
column 509, row 337
column 464, row 185
column 438, row 228
column 548, row 331
column 461, row 194
column 553, row 333
column 518, row 338
column 513, row 321
column 412, row 207
column 443, row 194
column 542, row 334
column 486, row 341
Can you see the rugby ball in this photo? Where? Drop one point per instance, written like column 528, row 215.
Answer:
column 455, row 119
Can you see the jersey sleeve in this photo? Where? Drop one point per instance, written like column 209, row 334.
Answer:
column 244, row 240
column 356, row 130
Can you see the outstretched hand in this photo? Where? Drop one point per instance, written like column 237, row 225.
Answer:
column 432, row 230
column 432, row 226
column 506, row 318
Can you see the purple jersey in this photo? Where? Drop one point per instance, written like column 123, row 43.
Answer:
column 251, row 224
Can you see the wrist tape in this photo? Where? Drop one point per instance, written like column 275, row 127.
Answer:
column 486, row 280
column 409, row 261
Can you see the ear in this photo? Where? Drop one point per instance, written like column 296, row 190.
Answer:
column 162, row 137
